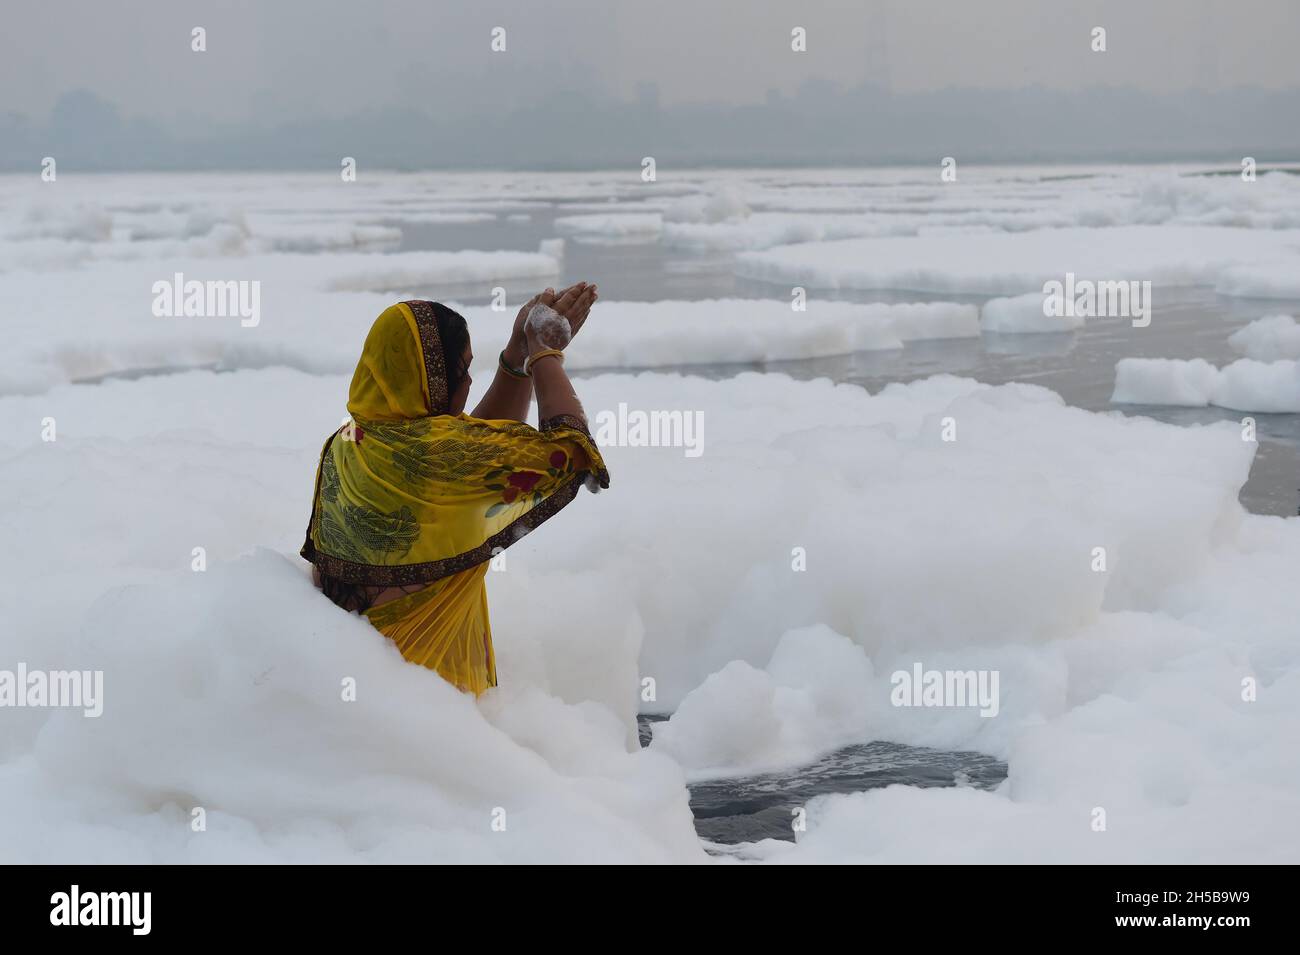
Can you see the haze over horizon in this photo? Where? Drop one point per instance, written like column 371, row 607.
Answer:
column 401, row 85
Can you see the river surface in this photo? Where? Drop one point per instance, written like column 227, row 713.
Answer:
column 1187, row 322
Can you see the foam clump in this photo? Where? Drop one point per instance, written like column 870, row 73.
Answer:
column 1243, row 385
column 1268, row 339
column 1024, row 314
column 549, row 327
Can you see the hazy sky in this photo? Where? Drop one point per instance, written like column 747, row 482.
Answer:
column 329, row 58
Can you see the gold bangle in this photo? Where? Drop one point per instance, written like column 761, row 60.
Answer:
column 545, row 353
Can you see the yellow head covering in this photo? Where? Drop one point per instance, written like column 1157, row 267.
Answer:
column 402, row 374
column 409, row 494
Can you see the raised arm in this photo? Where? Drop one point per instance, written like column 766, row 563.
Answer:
column 555, row 394
column 510, row 393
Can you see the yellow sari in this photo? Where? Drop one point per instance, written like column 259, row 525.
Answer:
column 407, row 494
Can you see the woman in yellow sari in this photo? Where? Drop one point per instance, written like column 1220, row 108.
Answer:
column 414, row 497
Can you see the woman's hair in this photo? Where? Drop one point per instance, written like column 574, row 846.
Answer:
column 455, row 336
column 348, row 596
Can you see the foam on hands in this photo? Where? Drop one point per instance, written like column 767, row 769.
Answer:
column 549, row 326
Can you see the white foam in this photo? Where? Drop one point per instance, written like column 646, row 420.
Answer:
column 97, row 321
column 1164, row 381
column 1243, row 385
column 1122, row 688
column 1267, row 339
column 721, row 202
column 626, row 225
column 1024, row 314
column 1016, row 263
column 1278, row 278
column 652, row 334
column 816, row 692
column 1119, row 688
column 410, row 270
column 549, row 326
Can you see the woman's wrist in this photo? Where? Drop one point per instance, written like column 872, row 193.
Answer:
column 514, row 371
column 516, row 351
column 539, row 353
